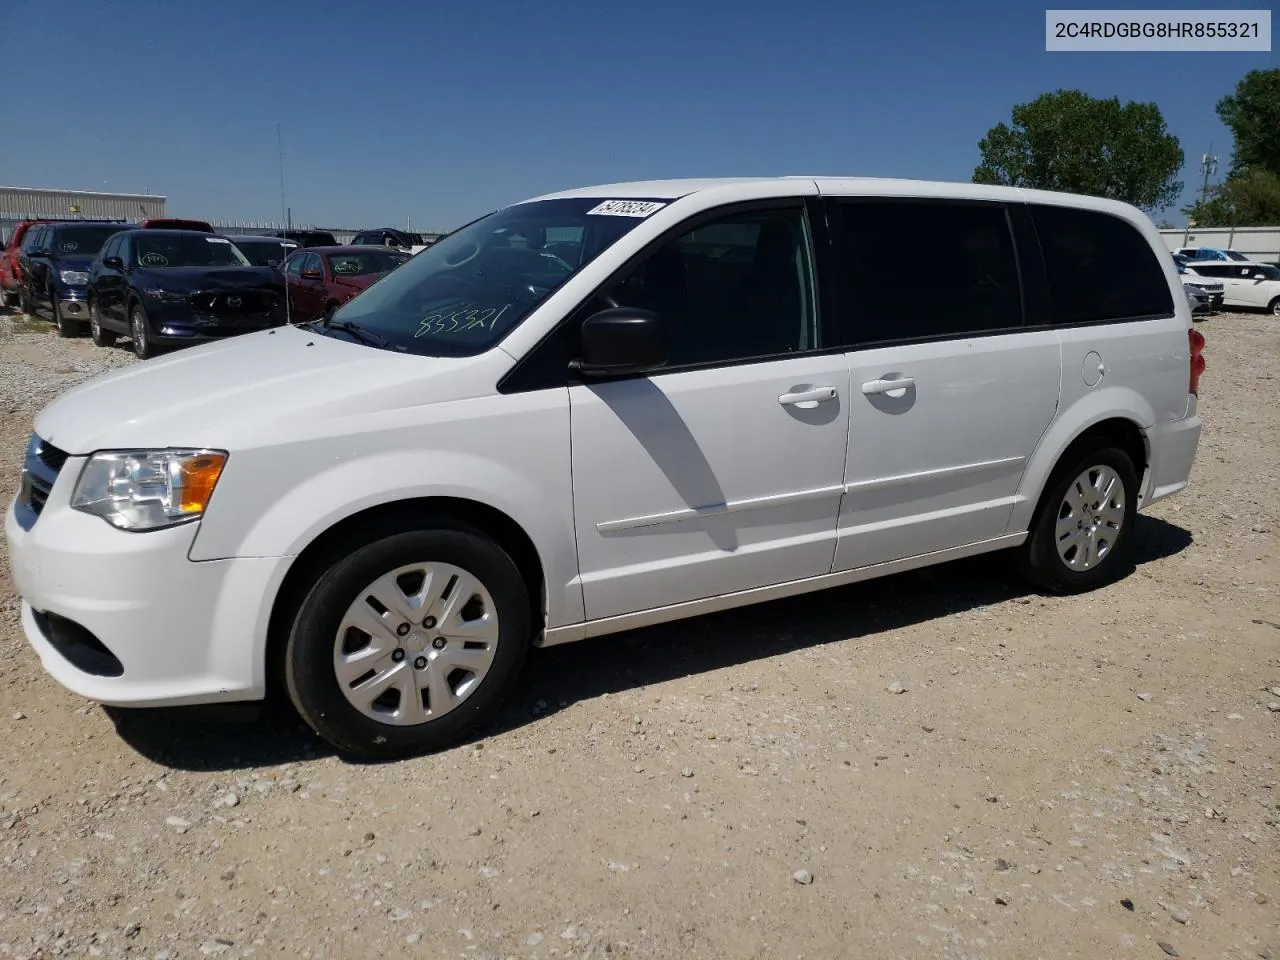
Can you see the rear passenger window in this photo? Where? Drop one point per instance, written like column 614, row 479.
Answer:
column 1100, row 267
column 970, row 287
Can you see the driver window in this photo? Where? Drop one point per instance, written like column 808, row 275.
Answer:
column 732, row 288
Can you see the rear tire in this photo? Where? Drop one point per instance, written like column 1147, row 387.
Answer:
column 1081, row 537
column 101, row 337
column 140, row 333
column 24, row 303
column 413, row 709
column 10, row 297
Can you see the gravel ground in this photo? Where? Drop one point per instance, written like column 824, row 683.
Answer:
column 940, row 764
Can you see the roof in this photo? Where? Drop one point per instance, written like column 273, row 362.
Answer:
column 675, row 189
column 170, row 231
column 256, row 236
column 350, row 248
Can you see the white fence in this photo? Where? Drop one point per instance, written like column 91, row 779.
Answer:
column 1257, row 243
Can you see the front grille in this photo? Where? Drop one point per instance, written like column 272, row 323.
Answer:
column 40, row 468
column 233, row 303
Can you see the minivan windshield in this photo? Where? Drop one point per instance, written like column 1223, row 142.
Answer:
column 156, row 251
column 467, row 291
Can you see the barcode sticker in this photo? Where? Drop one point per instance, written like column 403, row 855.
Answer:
column 625, row 208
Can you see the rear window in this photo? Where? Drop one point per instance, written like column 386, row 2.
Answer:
column 1100, row 267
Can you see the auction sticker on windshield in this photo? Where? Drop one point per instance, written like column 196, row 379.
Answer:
column 625, row 208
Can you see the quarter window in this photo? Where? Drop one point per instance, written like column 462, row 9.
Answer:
column 1100, row 267
column 971, row 287
column 294, row 267
column 733, row 288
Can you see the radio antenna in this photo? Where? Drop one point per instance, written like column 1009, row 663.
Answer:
column 288, row 319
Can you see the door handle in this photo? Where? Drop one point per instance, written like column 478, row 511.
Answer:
column 808, row 398
column 897, row 386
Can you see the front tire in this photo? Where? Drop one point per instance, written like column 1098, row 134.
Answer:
column 408, row 643
column 1081, row 537
column 66, row 328
column 101, row 337
column 140, row 334
column 1274, row 307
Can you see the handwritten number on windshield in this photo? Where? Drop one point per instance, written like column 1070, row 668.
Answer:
column 461, row 320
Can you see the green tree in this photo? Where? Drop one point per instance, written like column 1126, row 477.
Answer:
column 1067, row 140
column 1253, row 114
column 1249, row 199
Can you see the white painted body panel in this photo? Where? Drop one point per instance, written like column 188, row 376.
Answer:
column 699, row 483
column 939, row 464
column 689, row 491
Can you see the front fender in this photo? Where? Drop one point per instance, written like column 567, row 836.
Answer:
column 323, row 499
column 1106, row 404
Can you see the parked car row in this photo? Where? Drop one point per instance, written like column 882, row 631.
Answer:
column 1245, row 283
column 171, row 287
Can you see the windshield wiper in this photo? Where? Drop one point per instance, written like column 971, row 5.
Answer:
column 359, row 333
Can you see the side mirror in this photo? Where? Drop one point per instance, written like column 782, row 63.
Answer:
column 621, row 340
column 114, row 263
column 311, row 275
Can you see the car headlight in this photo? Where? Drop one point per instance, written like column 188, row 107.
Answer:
column 155, row 293
column 148, row 489
column 76, row 278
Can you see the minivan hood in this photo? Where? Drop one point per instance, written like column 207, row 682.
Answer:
column 283, row 382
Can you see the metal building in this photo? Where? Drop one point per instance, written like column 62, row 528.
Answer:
column 20, row 203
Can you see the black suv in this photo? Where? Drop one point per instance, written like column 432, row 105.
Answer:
column 387, row 237
column 177, row 287
column 308, row 238
column 55, row 259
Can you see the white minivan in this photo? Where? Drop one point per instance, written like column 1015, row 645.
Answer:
column 598, row 410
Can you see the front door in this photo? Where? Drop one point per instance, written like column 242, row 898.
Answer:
column 948, row 394
column 723, row 472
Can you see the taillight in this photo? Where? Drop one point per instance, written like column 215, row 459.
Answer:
column 1196, row 340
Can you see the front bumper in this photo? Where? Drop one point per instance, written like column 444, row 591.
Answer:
column 127, row 620
column 74, row 308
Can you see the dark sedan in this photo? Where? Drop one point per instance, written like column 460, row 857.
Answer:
column 322, row 279
column 55, row 262
column 178, row 287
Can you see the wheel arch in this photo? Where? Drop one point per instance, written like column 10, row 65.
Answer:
column 1120, row 421
column 384, row 519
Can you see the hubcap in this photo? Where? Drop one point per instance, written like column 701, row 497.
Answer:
column 1090, row 518
column 415, row 643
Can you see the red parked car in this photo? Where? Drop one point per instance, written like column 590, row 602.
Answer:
column 321, row 279
column 174, row 223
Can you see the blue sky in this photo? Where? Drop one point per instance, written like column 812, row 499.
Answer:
column 443, row 110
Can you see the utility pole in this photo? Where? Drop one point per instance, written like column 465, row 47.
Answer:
column 1208, row 166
